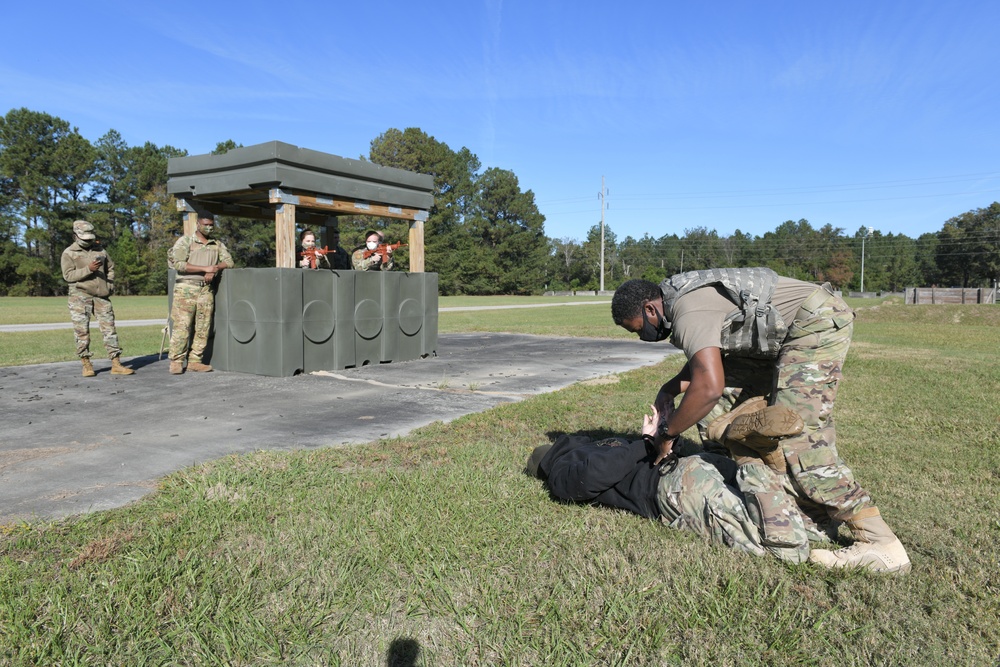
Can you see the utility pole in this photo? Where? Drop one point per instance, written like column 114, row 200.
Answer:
column 867, row 233
column 601, row 195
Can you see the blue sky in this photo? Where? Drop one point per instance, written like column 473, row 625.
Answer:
column 726, row 115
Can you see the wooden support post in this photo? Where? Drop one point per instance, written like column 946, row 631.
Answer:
column 417, row 246
column 284, row 236
column 190, row 223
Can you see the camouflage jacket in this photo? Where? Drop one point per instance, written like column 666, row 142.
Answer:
column 76, row 270
column 359, row 262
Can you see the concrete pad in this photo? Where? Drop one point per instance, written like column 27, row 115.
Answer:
column 70, row 444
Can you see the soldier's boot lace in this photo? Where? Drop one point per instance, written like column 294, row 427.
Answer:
column 199, row 367
column 118, row 369
column 88, row 368
column 877, row 548
column 176, row 367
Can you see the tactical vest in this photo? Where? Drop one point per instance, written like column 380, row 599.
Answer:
column 755, row 329
column 205, row 255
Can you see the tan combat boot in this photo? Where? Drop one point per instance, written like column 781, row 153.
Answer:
column 755, row 429
column 199, row 367
column 176, row 367
column 877, row 547
column 762, row 432
column 88, row 368
column 763, row 428
column 118, row 369
column 717, row 429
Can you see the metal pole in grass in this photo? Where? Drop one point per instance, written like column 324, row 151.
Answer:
column 602, row 195
column 868, row 231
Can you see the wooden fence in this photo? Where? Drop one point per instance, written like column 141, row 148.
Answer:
column 917, row 295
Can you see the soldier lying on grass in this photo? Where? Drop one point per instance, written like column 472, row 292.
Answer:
column 736, row 503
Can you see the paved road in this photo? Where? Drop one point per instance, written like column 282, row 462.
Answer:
column 70, row 444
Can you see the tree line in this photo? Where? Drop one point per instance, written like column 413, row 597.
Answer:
column 484, row 235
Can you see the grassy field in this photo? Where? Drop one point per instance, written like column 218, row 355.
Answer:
column 36, row 347
column 435, row 548
column 44, row 310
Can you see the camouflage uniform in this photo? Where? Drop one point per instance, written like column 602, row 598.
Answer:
column 89, row 296
column 194, row 299
column 359, row 262
column 804, row 378
column 741, row 507
column 808, row 370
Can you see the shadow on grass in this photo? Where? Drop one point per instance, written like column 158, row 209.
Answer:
column 403, row 652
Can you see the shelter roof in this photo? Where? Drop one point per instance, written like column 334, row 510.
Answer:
column 275, row 172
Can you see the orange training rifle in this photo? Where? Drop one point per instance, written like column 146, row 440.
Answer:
column 382, row 249
column 314, row 253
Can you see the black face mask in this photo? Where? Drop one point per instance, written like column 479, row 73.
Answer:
column 652, row 333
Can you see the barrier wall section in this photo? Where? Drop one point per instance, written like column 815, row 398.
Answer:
column 280, row 322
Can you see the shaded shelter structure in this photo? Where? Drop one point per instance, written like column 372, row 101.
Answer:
column 285, row 320
column 287, row 184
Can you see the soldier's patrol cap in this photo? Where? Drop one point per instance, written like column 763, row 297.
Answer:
column 84, row 230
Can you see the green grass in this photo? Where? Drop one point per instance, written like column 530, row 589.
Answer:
column 36, row 347
column 48, row 309
column 435, row 549
column 44, row 310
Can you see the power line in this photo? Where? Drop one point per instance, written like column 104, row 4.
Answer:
column 810, row 189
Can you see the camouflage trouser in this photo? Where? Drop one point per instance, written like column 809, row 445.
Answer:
column 743, row 508
column 81, row 308
column 809, row 368
column 804, row 378
column 193, row 305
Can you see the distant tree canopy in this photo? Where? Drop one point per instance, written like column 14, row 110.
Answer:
column 484, row 235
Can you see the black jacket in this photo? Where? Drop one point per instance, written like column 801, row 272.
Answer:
column 611, row 472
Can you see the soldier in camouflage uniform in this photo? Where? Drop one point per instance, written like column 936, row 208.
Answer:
column 91, row 276
column 788, row 340
column 743, row 507
column 376, row 262
column 197, row 259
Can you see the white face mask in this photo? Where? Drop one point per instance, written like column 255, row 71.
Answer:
column 372, row 245
column 309, row 243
